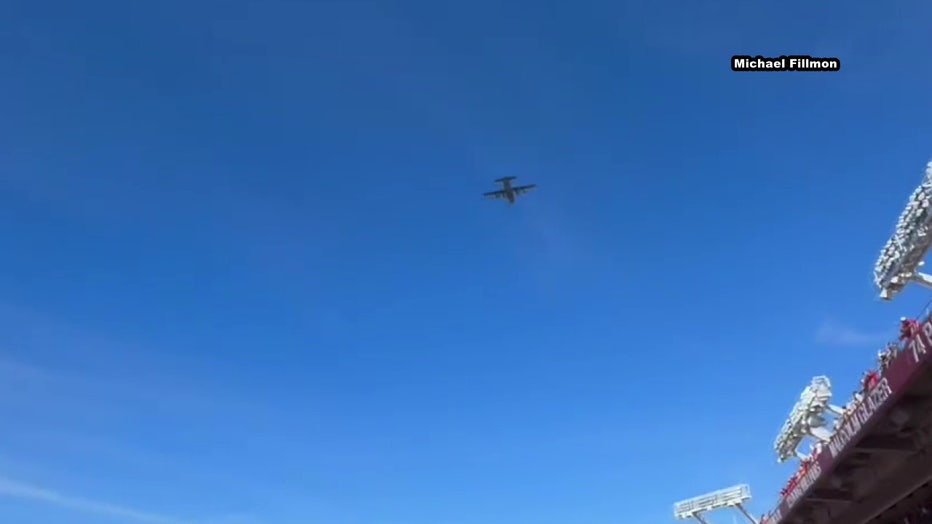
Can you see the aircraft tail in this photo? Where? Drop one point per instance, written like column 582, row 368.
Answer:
column 506, row 179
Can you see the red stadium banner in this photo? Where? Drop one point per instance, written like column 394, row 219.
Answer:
column 897, row 378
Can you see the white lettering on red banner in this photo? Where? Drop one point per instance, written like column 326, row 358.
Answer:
column 776, row 516
column 812, row 474
column 918, row 344
column 857, row 418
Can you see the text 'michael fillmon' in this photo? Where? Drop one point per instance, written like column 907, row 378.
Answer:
column 784, row 63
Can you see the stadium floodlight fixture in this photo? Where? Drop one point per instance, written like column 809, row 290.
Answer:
column 901, row 257
column 733, row 497
column 806, row 419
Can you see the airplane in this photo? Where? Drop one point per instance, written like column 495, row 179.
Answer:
column 508, row 191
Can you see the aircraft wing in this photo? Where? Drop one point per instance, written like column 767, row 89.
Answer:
column 520, row 190
column 495, row 194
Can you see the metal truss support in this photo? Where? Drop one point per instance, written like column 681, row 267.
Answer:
column 922, row 279
column 747, row 515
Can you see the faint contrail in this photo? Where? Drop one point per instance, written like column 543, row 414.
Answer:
column 21, row 490
column 833, row 333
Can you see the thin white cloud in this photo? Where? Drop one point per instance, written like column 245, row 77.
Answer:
column 20, row 490
column 24, row 386
column 16, row 489
column 833, row 333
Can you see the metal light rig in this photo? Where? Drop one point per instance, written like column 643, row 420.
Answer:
column 733, row 497
column 807, row 419
column 902, row 255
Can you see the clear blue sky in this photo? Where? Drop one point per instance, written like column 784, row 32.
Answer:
column 248, row 277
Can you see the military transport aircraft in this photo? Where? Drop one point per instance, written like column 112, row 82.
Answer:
column 509, row 192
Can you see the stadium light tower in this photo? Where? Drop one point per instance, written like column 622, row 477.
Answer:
column 807, row 419
column 733, row 497
column 901, row 257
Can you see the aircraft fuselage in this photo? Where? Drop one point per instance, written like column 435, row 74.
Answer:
column 509, row 191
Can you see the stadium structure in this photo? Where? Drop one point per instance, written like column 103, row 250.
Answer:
column 697, row 507
column 868, row 461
